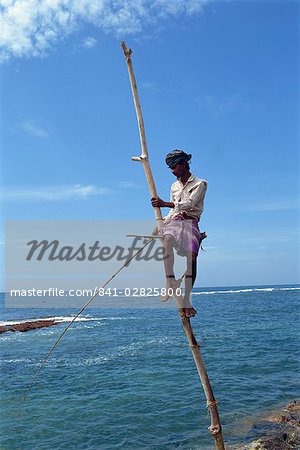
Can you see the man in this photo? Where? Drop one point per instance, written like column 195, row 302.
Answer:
column 181, row 231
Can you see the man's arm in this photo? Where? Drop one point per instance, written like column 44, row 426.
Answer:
column 157, row 202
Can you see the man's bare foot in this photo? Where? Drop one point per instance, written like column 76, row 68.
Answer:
column 187, row 308
column 190, row 312
column 187, row 312
column 171, row 287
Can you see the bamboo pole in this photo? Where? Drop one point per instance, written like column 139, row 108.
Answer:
column 215, row 427
column 144, row 158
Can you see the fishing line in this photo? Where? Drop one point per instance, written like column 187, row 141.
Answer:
column 45, row 359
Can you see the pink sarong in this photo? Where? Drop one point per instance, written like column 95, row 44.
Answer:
column 186, row 234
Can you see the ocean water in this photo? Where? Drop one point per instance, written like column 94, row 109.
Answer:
column 126, row 379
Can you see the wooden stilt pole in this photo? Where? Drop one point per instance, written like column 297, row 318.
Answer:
column 215, row 427
column 144, row 158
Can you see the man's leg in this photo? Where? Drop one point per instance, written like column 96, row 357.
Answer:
column 169, row 256
column 169, row 243
column 190, row 278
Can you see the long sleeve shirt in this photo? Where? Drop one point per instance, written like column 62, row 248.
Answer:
column 188, row 198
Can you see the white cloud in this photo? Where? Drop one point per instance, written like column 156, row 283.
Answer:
column 62, row 193
column 28, row 126
column 129, row 185
column 31, row 27
column 280, row 205
column 89, row 42
column 149, row 85
column 219, row 106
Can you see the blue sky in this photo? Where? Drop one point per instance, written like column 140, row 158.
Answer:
column 218, row 79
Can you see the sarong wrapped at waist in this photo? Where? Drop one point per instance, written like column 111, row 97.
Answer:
column 186, row 234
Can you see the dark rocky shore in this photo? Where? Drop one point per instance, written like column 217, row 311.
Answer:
column 29, row 325
column 277, row 431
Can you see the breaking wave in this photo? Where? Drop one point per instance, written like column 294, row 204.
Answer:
column 62, row 319
column 246, row 290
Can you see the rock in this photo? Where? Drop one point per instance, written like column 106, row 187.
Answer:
column 279, row 430
column 30, row 325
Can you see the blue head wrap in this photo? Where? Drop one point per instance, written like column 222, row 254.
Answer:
column 177, row 157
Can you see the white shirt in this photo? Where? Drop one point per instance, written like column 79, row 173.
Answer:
column 188, row 198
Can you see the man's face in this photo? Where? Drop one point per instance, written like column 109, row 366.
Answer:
column 179, row 170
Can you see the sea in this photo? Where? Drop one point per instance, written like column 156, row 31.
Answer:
column 124, row 378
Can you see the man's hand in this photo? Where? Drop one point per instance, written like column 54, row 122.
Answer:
column 155, row 231
column 157, row 202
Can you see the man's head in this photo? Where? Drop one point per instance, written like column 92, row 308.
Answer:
column 178, row 162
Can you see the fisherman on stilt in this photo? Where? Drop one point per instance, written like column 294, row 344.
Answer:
column 180, row 230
